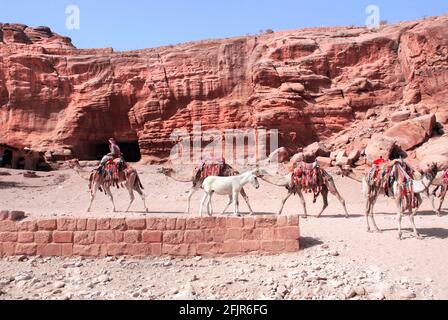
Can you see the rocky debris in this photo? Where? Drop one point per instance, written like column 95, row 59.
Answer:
column 315, row 150
column 400, row 116
column 380, row 146
column 442, row 117
column 318, row 273
column 296, row 158
column 279, row 156
column 354, row 156
column 324, row 162
column 436, row 150
column 408, row 134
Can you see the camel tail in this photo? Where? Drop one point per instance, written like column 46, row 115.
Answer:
column 365, row 187
column 138, row 182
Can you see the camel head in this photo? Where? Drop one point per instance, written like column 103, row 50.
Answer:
column 73, row 163
column 346, row 170
column 432, row 170
column 165, row 171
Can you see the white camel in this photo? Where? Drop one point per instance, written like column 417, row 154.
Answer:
column 228, row 186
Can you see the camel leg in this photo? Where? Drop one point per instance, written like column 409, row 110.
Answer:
column 228, row 204
column 371, row 214
column 371, row 200
column 368, row 205
column 334, row 191
column 92, row 196
column 109, row 193
column 190, row 194
column 246, row 199
column 284, row 201
column 131, row 194
column 412, row 214
column 411, row 218
column 235, row 204
column 130, row 186
column 399, row 216
column 432, row 198
column 143, row 196
column 302, row 200
column 442, row 198
column 202, row 203
column 325, row 200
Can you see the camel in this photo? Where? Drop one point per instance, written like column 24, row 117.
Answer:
column 326, row 184
column 197, row 181
column 442, row 185
column 230, row 186
column 97, row 181
column 439, row 182
column 405, row 190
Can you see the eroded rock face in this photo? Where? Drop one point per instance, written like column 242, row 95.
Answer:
column 436, row 150
column 380, row 147
column 308, row 84
column 409, row 134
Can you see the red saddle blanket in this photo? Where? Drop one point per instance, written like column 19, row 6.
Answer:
column 445, row 177
column 307, row 177
column 210, row 167
column 115, row 170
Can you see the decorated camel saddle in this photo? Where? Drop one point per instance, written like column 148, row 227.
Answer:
column 445, row 177
column 307, row 177
column 209, row 167
column 384, row 174
column 115, row 170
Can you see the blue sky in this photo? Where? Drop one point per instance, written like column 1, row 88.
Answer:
column 137, row 24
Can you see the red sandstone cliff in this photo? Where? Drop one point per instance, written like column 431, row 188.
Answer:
column 309, row 84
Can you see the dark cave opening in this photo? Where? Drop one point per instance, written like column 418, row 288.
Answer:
column 130, row 150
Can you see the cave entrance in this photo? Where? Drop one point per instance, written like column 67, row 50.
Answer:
column 130, row 150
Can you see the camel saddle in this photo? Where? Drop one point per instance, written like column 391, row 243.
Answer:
column 209, row 167
column 445, row 177
column 307, row 177
column 385, row 174
column 115, row 170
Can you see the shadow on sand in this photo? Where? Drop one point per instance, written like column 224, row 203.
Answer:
column 419, row 213
column 438, row 233
column 308, row 242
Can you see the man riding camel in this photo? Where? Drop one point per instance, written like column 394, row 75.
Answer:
column 114, row 153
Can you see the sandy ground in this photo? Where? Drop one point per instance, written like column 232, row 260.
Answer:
column 339, row 260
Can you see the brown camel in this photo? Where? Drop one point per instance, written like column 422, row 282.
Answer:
column 197, row 179
column 393, row 180
column 324, row 184
column 442, row 185
column 104, row 181
column 439, row 182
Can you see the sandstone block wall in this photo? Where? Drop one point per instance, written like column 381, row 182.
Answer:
column 155, row 236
